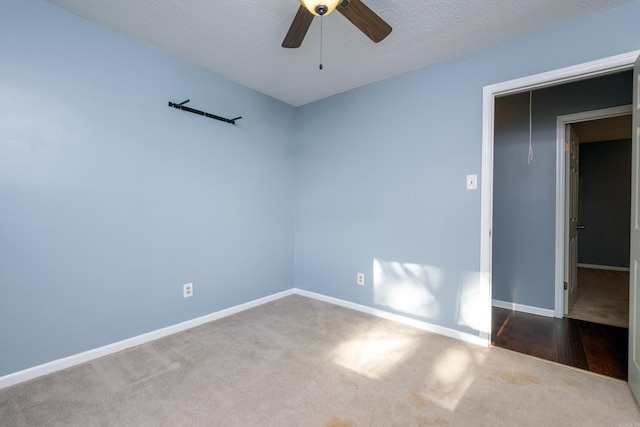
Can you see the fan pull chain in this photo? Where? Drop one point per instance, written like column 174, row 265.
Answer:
column 530, row 157
column 320, row 42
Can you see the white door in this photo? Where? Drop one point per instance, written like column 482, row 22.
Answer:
column 571, row 239
column 634, row 298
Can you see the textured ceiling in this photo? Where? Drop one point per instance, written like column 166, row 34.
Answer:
column 241, row 39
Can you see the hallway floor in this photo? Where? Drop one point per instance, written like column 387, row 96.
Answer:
column 578, row 343
column 594, row 336
column 603, row 297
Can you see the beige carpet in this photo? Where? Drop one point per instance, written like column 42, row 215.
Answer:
column 603, row 297
column 300, row 362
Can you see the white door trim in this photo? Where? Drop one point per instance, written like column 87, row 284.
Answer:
column 561, row 189
column 577, row 72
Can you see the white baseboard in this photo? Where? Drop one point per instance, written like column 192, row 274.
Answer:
column 87, row 356
column 426, row 326
column 523, row 308
column 603, row 267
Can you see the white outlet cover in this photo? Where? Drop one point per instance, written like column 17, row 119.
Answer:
column 472, row 182
column 187, row 290
column 360, row 279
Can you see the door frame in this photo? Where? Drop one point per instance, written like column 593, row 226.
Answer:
column 562, row 192
column 489, row 93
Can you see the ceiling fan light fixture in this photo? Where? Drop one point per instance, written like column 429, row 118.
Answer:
column 320, row 7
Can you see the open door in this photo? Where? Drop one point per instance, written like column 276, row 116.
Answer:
column 571, row 227
column 634, row 276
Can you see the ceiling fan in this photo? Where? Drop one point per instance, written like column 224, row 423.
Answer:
column 355, row 11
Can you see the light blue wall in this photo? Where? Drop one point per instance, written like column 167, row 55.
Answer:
column 110, row 200
column 524, row 195
column 380, row 174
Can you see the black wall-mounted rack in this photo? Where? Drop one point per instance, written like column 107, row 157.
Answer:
column 181, row 106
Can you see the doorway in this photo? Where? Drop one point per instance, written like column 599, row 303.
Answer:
column 542, row 298
column 529, row 197
column 601, row 197
column 592, row 336
column 568, row 74
column 582, row 343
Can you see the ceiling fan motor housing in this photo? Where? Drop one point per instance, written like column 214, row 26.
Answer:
column 321, row 9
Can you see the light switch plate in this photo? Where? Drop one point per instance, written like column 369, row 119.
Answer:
column 472, row 182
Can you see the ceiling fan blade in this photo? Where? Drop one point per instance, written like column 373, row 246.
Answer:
column 366, row 20
column 298, row 28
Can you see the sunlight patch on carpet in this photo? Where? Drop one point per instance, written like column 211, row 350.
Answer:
column 454, row 372
column 375, row 353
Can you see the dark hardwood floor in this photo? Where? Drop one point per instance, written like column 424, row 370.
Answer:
column 585, row 345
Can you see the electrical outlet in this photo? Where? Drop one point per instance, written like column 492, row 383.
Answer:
column 361, row 279
column 187, row 290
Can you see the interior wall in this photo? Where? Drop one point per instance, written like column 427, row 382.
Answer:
column 605, row 203
column 380, row 177
column 524, row 205
column 110, row 200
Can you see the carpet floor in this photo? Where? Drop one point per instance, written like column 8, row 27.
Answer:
column 603, row 297
column 301, row 362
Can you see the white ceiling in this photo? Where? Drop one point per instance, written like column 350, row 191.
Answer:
column 241, row 39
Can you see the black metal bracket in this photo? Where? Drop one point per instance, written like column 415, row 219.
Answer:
column 181, row 106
